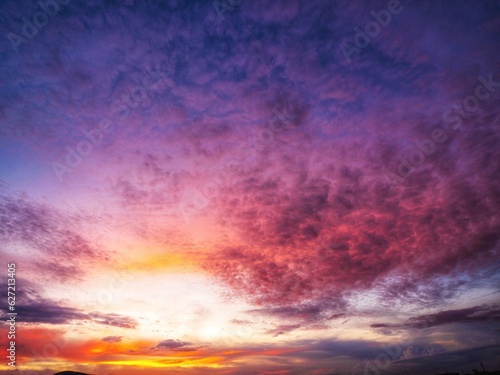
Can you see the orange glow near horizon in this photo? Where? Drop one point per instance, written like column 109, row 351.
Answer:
column 49, row 347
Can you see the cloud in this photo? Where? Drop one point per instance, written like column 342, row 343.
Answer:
column 112, row 339
column 47, row 312
column 336, row 316
column 322, row 230
column 415, row 351
column 301, row 217
column 45, row 232
column 447, row 361
column 37, row 309
column 282, row 329
column 483, row 313
column 240, row 322
column 115, row 320
column 176, row 345
column 475, row 314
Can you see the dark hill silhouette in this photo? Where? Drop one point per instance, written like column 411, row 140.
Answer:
column 71, row 373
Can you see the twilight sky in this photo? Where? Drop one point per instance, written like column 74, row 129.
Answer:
column 251, row 187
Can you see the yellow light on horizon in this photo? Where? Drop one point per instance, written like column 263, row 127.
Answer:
column 212, row 362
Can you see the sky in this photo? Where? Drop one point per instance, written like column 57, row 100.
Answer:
column 250, row 187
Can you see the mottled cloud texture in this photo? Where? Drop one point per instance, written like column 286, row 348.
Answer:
column 319, row 178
